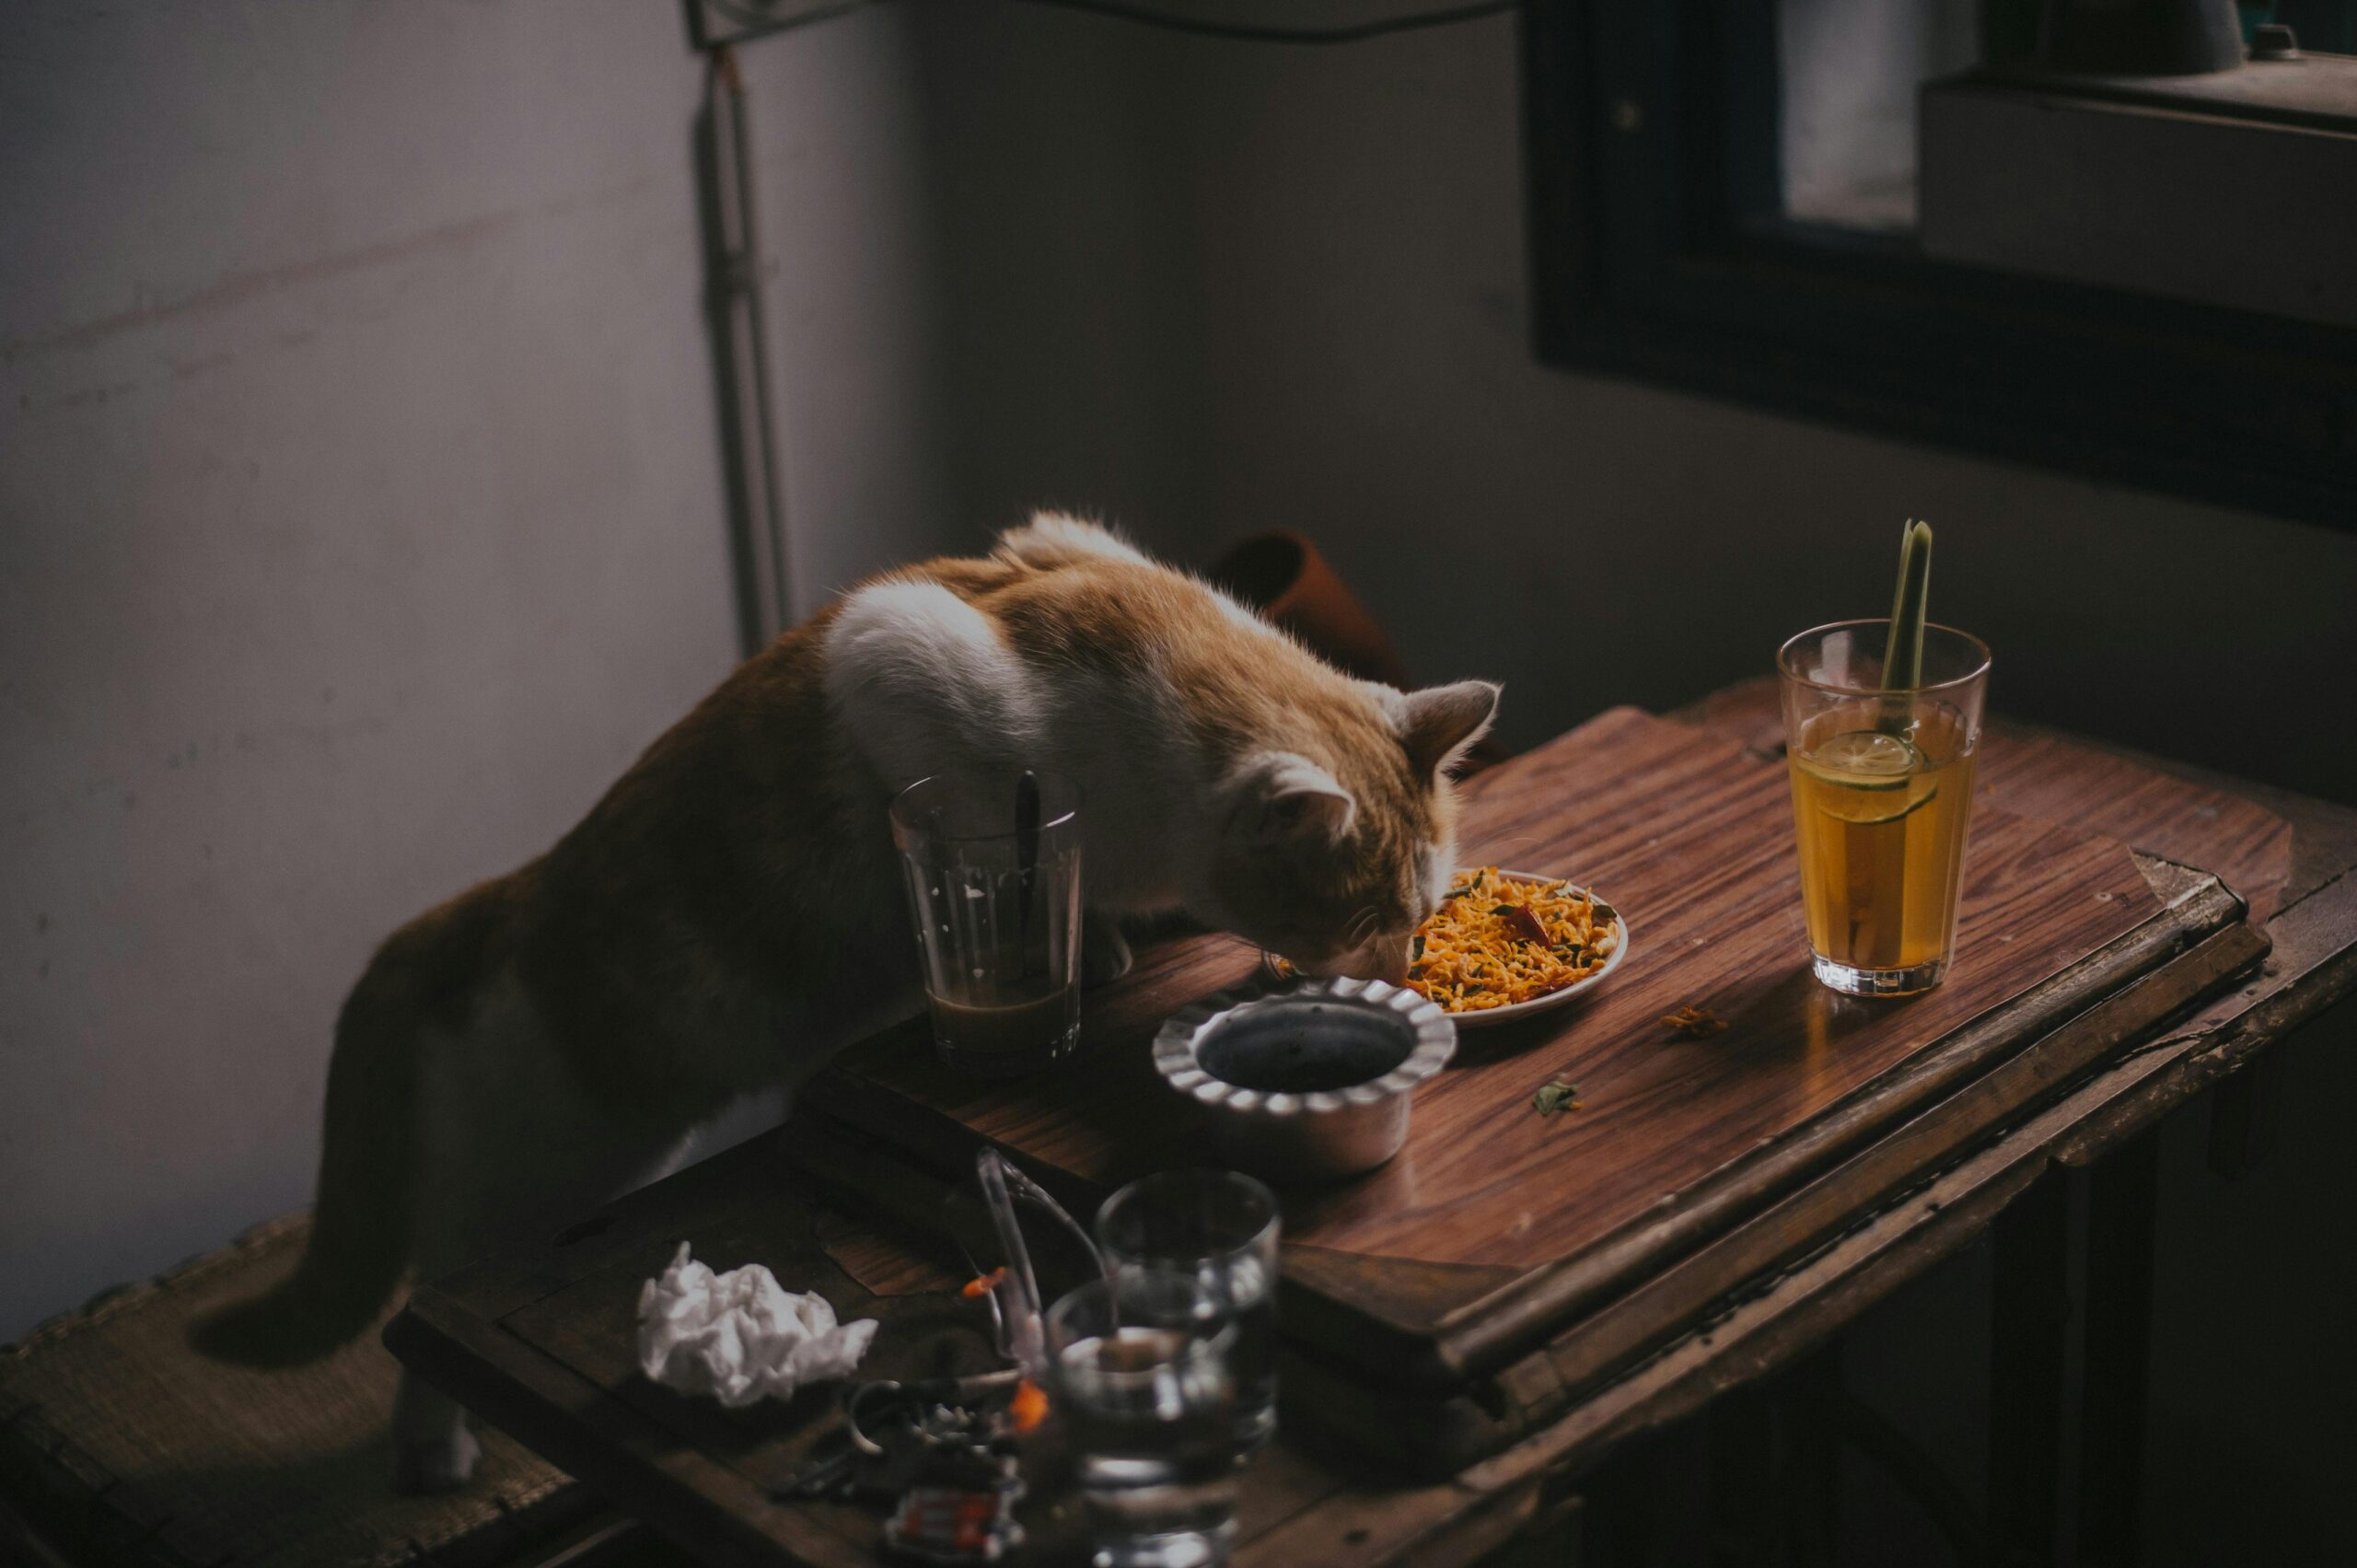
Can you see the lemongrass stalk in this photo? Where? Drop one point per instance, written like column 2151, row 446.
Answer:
column 1902, row 664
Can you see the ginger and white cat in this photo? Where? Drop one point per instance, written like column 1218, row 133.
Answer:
column 731, row 911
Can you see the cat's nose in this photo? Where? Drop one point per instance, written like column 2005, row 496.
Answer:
column 1378, row 957
column 1384, row 958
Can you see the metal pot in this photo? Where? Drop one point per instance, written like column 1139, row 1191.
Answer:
column 1307, row 1080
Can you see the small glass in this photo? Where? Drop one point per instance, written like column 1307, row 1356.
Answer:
column 1882, row 800
column 996, row 901
column 1143, row 1375
column 1220, row 1229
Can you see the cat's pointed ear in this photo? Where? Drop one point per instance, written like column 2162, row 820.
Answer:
column 1282, row 797
column 1438, row 724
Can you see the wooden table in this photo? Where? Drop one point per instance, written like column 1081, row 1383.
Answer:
column 1584, row 1332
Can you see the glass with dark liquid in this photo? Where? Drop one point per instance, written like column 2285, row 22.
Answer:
column 993, row 867
column 1882, row 801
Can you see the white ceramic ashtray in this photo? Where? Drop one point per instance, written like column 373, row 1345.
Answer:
column 1309, row 1079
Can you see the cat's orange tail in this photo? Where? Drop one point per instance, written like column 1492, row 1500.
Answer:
column 362, row 1226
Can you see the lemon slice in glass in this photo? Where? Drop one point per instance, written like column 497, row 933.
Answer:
column 1868, row 776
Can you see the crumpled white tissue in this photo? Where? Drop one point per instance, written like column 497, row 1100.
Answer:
column 740, row 1336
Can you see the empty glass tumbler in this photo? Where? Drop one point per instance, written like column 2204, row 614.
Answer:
column 993, row 867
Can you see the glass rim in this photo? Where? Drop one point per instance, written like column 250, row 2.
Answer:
column 1061, row 819
column 1252, row 1186
column 1785, row 670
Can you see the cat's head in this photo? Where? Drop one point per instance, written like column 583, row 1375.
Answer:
column 1334, row 854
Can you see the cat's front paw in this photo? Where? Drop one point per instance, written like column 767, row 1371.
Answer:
column 1105, row 955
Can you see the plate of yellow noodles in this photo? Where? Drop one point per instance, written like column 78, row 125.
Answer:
column 1505, row 943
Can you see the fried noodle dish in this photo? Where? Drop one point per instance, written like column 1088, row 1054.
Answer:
column 1496, row 940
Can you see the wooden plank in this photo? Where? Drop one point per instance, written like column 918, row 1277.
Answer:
column 2311, row 964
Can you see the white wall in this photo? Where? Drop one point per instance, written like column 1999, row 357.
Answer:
column 361, row 516
column 855, row 334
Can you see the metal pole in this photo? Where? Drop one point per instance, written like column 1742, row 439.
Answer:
column 741, row 340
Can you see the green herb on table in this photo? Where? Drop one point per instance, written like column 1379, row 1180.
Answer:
column 1556, row 1094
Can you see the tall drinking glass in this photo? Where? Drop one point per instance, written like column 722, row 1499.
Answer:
column 1220, row 1229
column 1882, row 800
column 1143, row 1375
column 993, row 867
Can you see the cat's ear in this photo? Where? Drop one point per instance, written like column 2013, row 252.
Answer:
column 1438, row 724
column 1282, row 798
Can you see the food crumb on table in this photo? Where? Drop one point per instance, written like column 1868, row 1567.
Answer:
column 1693, row 1023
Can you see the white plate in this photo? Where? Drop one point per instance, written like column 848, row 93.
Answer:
column 1481, row 1018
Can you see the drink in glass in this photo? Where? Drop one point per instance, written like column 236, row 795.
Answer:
column 1220, row 1228
column 1143, row 1378
column 1882, row 800
column 993, row 867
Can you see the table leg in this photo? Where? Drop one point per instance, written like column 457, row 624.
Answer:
column 2243, row 1113
column 2029, row 1310
column 1626, row 1505
column 1745, row 1509
column 2122, row 1194
column 1811, row 1491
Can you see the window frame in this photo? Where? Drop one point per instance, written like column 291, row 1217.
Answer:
column 1648, row 261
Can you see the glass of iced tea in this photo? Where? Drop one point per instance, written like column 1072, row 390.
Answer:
column 1882, row 800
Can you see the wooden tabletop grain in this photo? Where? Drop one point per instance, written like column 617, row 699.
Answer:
column 1691, row 841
